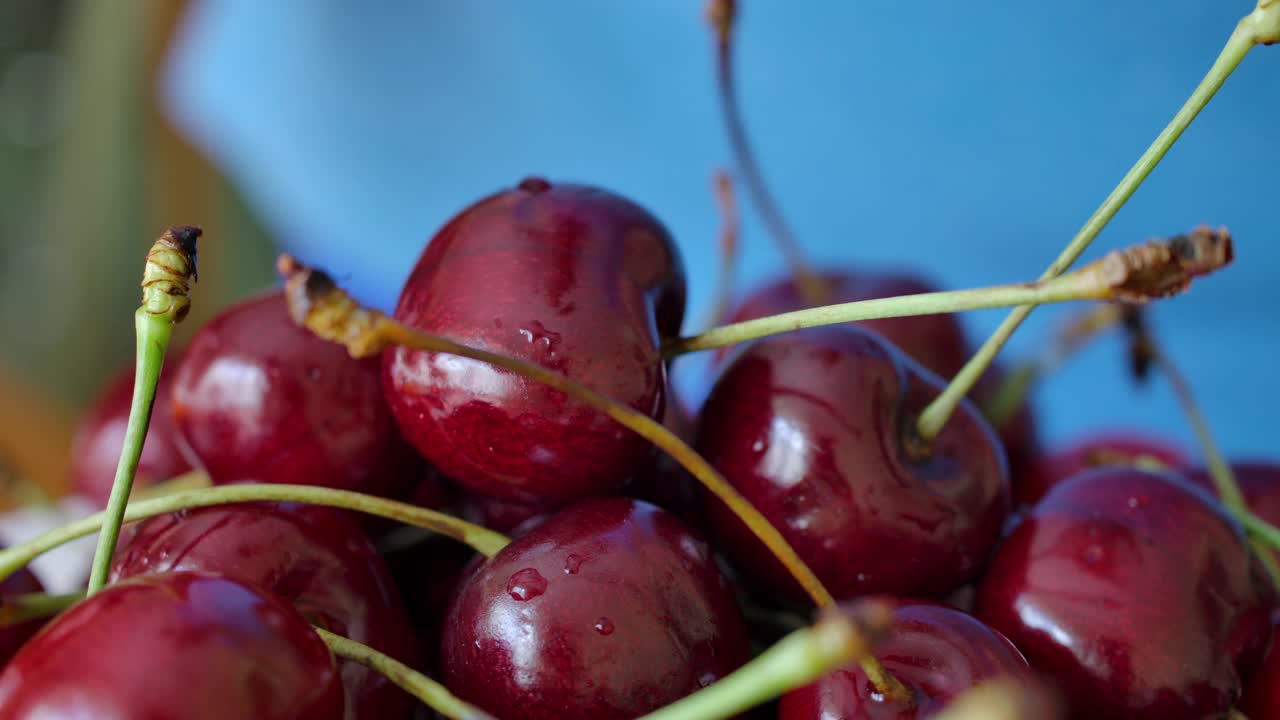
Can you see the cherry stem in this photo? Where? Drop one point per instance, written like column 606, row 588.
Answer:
column 798, row 659
column 431, row 693
column 1066, row 342
column 726, row 278
column 170, row 269
column 1155, row 269
column 18, row 609
column 722, row 16
column 1260, row 27
column 482, row 540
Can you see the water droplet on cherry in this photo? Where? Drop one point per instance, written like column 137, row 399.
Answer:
column 526, row 584
column 572, row 564
column 604, row 626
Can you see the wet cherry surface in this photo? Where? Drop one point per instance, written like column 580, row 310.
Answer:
column 1116, row 448
column 1135, row 593
column 573, row 278
column 100, row 437
column 935, row 651
column 178, row 645
column 259, row 398
column 313, row 557
column 610, row 609
column 809, row 426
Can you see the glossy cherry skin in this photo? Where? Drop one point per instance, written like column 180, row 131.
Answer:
column 936, row 341
column 1135, row 592
column 937, row 652
column 1262, row 692
column 95, row 451
column 177, row 645
column 570, row 277
column 1104, row 449
column 809, row 427
column 12, row 637
column 610, row 609
column 259, row 398
column 315, row 558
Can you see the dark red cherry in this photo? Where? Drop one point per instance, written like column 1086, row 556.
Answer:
column 315, row 558
column 1019, row 433
column 95, row 451
column 12, row 637
column 177, row 645
column 936, row 341
column 667, row 484
column 610, row 609
column 259, row 398
column 810, row 428
column 574, row 278
column 1259, row 481
column 1135, row 592
column 1262, row 692
column 1103, row 449
column 937, row 652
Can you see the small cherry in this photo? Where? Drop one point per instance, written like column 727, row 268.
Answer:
column 813, row 428
column 1117, row 448
column 315, row 558
column 95, row 451
column 936, row 651
column 258, row 398
column 174, row 645
column 1135, row 592
column 573, row 278
column 611, row 608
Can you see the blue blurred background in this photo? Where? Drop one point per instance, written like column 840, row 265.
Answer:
column 966, row 142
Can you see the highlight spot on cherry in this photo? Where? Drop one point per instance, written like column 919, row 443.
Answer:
column 526, row 585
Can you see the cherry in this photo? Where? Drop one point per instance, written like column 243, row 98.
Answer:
column 936, row 341
column 315, row 558
column 810, row 427
column 1134, row 591
column 571, row 277
column 609, row 609
column 174, row 645
column 936, row 651
column 95, row 451
column 1262, row 692
column 259, row 398
column 1259, row 483
column 13, row 636
column 1119, row 448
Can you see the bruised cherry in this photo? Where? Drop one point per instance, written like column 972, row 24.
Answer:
column 174, row 645
column 95, row 450
column 316, row 558
column 610, row 609
column 259, row 398
column 571, row 277
column 812, row 427
column 937, row 652
column 1135, row 592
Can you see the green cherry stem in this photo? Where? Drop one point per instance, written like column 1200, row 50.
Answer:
column 1261, row 27
column 482, row 540
column 17, row 609
column 431, row 693
column 1151, row 270
column 1002, row 698
column 170, row 268
column 796, row 660
column 722, row 16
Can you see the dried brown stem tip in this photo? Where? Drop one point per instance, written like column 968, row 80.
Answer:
column 318, row 304
column 169, row 272
column 720, row 15
column 1162, row 268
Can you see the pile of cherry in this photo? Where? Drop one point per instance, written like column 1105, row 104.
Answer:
column 626, row 587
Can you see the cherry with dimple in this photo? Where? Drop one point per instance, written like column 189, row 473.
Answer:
column 811, row 428
column 611, row 608
column 570, row 277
